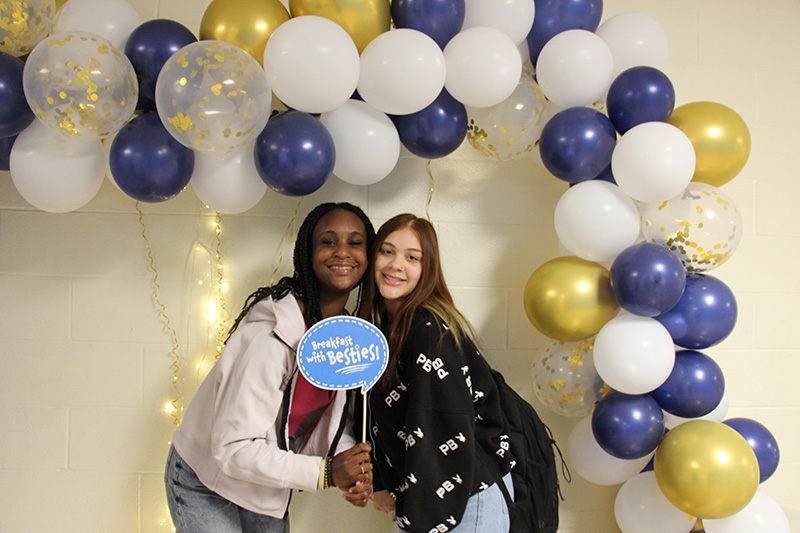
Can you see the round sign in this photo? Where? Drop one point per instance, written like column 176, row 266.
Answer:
column 343, row 352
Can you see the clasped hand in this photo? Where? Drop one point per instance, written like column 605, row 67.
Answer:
column 351, row 470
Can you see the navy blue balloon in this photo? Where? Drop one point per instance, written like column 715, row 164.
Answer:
column 694, row 388
column 577, row 143
column 147, row 163
column 294, row 154
column 436, row 131
column 647, row 279
column 144, row 104
column 704, row 316
column 639, row 95
column 6, row 143
column 606, row 175
column 554, row 16
column 150, row 45
column 438, row 19
column 627, row 426
column 761, row 441
column 15, row 114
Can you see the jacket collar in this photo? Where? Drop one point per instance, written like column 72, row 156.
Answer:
column 285, row 313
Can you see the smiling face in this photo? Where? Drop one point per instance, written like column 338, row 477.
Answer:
column 339, row 253
column 398, row 267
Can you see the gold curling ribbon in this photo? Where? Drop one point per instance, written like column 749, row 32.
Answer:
column 223, row 315
column 430, row 193
column 168, row 323
column 283, row 241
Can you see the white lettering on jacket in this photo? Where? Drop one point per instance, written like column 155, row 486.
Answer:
column 429, row 365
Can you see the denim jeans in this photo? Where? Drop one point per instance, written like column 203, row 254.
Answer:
column 197, row 509
column 486, row 511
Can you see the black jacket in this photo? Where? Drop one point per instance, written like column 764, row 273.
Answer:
column 424, row 428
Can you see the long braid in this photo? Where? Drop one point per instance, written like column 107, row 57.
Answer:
column 303, row 283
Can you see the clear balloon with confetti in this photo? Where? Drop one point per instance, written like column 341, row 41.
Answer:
column 79, row 84
column 212, row 96
column 702, row 226
column 565, row 379
column 24, row 23
column 510, row 129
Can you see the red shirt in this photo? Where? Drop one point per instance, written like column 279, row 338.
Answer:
column 306, row 400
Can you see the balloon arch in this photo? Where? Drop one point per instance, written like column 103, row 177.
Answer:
column 644, row 218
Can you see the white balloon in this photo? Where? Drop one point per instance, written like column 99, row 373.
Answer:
column 228, row 182
column 717, row 414
column 312, row 64
column 596, row 220
column 653, row 162
column 641, row 506
column 634, row 354
column 761, row 514
column 483, row 66
column 113, row 20
column 55, row 173
column 512, row 17
column 402, row 72
column 635, row 39
column 575, row 68
column 594, row 464
column 366, row 141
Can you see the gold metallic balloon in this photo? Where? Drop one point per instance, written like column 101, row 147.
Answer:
column 720, row 139
column 246, row 23
column 23, row 24
column 569, row 298
column 698, row 526
column 363, row 20
column 706, row 469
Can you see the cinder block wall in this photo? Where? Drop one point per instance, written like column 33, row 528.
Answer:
column 87, row 356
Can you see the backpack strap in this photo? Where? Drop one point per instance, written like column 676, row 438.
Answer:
column 498, row 479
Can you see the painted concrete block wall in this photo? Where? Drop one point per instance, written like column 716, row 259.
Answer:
column 86, row 356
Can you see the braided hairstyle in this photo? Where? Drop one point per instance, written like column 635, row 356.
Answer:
column 303, row 283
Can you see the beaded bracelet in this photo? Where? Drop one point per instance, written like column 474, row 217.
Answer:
column 328, row 473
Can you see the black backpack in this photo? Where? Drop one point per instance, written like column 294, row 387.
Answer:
column 535, row 475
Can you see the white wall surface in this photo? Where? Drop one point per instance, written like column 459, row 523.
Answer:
column 86, row 360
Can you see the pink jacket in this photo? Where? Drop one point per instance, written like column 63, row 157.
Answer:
column 230, row 434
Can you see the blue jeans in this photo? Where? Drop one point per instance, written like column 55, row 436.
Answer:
column 486, row 511
column 197, row 509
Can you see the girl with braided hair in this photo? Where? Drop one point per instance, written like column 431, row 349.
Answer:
column 256, row 429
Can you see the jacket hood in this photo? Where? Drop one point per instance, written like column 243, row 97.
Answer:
column 284, row 313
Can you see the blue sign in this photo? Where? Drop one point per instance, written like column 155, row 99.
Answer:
column 343, row 352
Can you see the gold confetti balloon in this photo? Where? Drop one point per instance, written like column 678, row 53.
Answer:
column 212, row 96
column 569, row 299
column 565, row 379
column 702, row 226
column 511, row 129
column 81, row 85
column 24, row 23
